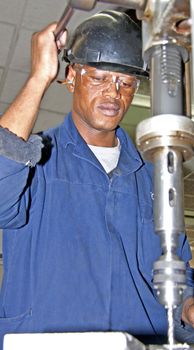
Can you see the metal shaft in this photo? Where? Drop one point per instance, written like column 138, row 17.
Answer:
column 170, row 327
column 168, row 189
column 132, row 4
column 166, row 139
column 166, row 80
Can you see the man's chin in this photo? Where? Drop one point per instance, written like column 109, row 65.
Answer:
column 106, row 127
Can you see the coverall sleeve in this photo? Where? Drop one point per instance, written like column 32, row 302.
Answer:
column 17, row 159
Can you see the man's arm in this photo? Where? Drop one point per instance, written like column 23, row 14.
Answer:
column 21, row 116
column 18, row 154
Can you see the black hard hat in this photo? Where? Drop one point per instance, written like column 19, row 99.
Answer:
column 108, row 40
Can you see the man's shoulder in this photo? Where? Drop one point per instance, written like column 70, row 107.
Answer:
column 50, row 141
column 52, row 132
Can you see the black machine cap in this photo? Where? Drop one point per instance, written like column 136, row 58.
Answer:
column 108, row 40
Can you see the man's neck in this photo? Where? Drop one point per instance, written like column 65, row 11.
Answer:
column 101, row 138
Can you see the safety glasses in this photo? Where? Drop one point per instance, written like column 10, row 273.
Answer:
column 125, row 84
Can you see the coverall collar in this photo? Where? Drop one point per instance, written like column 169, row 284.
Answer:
column 129, row 161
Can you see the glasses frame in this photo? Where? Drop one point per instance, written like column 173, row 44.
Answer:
column 125, row 84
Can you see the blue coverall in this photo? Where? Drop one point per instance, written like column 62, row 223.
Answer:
column 78, row 244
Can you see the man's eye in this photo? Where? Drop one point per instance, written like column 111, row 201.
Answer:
column 127, row 85
column 97, row 79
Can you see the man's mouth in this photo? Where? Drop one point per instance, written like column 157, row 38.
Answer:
column 109, row 109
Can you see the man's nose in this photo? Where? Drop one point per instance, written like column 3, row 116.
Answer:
column 113, row 90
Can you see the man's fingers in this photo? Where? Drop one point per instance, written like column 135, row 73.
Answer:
column 61, row 41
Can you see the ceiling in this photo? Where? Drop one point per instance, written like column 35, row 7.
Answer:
column 18, row 20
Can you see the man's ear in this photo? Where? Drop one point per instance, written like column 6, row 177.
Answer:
column 70, row 78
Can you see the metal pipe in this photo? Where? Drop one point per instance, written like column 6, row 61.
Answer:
column 166, row 80
column 188, row 89
column 168, row 189
column 132, row 4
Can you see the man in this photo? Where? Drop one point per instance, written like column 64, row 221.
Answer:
column 79, row 241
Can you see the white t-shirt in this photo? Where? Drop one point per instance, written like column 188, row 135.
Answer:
column 107, row 156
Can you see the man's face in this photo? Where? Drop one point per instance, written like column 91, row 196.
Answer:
column 100, row 98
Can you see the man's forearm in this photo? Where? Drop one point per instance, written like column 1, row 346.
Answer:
column 21, row 116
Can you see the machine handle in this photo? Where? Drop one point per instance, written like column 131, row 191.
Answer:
column 62, row 24
column 86, row 5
